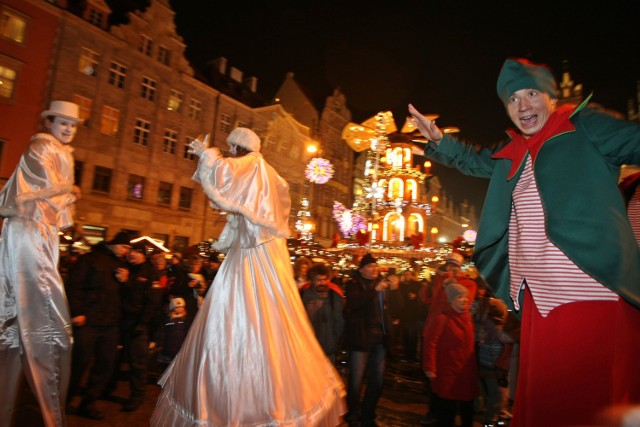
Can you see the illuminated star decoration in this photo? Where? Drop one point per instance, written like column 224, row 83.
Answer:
column 349, row 222
column 319, row 170
column 374, row 192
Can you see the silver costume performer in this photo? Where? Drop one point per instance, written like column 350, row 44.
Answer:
column 35, row 325
column 251, row 357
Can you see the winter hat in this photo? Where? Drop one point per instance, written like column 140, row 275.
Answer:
column 367, row 259
column 518, row 73
column 244, row 137
column 140, row 247
column 176, row 302
column 122, row 238
column 455, row 258
column 497, row 311
column 454, row 290
column 64, row 109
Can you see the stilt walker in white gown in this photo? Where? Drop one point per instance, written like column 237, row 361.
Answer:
column 35, row 325
column 251, row 357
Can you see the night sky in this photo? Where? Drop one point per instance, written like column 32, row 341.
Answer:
column 444, row 57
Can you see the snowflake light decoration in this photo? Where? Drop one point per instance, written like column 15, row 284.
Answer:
column 374, row 192
column 319, row 170
column 349, row 222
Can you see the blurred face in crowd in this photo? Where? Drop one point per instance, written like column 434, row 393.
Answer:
column 120, row 251
column 136, row 257
column 453, row 269
column 370, row 271
column 529, row 110
column 63, row 129
column 460, row 303
column 408, row 275
column 160, row 262
column 320, row 283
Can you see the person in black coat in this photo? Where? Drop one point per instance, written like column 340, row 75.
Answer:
column 93, row 291
column 367, row 338
column 140, row 305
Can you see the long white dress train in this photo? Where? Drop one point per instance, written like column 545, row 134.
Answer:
column 251, row 357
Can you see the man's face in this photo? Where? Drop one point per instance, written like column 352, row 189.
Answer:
column 320, row 283
column 121, row 251
column 529, row 110
column 454, row 269
column 370, row 271
column 136, row 257
column 64, row 130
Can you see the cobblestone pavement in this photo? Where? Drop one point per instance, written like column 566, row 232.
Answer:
column 403, row 403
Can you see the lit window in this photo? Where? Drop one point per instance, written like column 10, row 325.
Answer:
column 146, row 46
column 135, row 187
column 88, row 62
column 117, row 74
column 85, row 105
column 169, row 141
column 164, row 55
column 185, row 198
column 12, row 26
column 102, row 179
column 141, row 132
column 194, row 109
column 148, row 89
column 109, row 121
column 175, row 101
column 164, row 193
column 7, row 82
column 225, row 123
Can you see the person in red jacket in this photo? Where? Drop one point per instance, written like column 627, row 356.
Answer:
column 449, row 359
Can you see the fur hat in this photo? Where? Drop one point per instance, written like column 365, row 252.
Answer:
column 454, row 290
column 122, row 238
column 176, row 302
column 64, row 109
column 366, row 260
column 455, row 258
column 518, row 73
column 244, row 137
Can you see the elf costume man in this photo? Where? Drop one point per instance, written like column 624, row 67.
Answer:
column 555, row 241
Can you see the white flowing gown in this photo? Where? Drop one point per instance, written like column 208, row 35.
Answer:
column 251, row 357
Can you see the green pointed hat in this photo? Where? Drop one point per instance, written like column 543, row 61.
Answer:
column 518, row 73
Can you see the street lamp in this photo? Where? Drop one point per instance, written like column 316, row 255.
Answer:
column 434, row 234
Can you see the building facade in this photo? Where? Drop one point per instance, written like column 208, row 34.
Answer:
column 143, row 103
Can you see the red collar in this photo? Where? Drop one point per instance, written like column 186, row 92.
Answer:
column 517, row 149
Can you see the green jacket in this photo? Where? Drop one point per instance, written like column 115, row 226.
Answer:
column 577, row 175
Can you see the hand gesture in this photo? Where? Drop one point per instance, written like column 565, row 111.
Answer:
column 426, row 127
column 199, row 145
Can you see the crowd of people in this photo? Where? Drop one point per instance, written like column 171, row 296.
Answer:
column 131, row 304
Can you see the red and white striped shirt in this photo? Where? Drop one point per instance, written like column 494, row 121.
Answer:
column 550, row 275
column 633, row 208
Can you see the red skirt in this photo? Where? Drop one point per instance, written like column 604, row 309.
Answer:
column 578, row 366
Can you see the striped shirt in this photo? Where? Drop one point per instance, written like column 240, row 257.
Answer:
column 551, row 276
column 633, row 208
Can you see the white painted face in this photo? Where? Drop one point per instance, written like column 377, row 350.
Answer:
column 63, row 129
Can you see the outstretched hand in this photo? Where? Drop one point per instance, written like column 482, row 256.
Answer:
column 426, row 127
column 199, row 145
